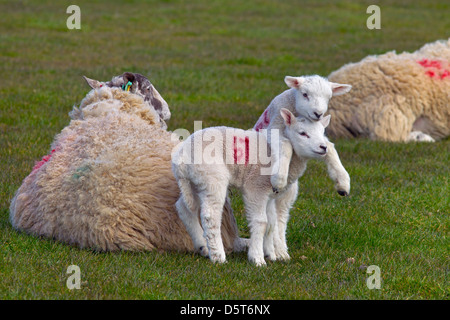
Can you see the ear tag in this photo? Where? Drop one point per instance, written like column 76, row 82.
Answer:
column 127, row 87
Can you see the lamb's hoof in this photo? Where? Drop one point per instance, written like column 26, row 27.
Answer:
column 270, row 257
column 203, row 251
column 343, row 193
column 218, row 257
column 283, row 256
column 259, row 262
column 278, row 183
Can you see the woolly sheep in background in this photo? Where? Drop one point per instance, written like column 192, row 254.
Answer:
column 395, row 97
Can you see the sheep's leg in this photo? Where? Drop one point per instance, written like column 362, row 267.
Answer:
column 212, row 201
column 257, row 221
column 419, row 136
column 280, row 162
column 336, row 170
column 391, row 122
column 283, row 204
column 420, row 124
column 192, row 224
column 271, row 231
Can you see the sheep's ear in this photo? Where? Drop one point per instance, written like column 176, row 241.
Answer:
column 325, row 121
column 128, row 77
column 94, row 84
column 294, row 82
column 339, row 89
column 288, row 117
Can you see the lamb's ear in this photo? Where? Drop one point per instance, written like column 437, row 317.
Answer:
column 94, row 84
column 339, row 89
column 294, row 82
column 288, row 117
column 325, row 121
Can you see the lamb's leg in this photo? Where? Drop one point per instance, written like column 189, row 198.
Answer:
column 336, row 170
column 192, row 224
column 283, row 204
column 255, row 205
column 271, row 231
column 281, row 161
column 188, row 210
column 230, row 231
column 212, row 200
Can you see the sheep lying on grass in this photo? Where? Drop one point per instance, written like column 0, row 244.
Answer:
column 395, row 97
column 204, row 172
column 308, row 97
column 107, row 184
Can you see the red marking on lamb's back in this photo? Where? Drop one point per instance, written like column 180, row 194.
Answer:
column 239, row 152
column 247, row 149
column 435, row 68
column 263, row 121
column 266, row 117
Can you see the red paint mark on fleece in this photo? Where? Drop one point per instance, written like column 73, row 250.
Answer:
column 239, row 152
column 247, row 150
column 430, row 63
column 263, row 121
column 43, row 161
column 435, row 68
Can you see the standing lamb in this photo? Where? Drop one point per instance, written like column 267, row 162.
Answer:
column 308, row 97
column 395, row 97
column 204, row 172
column 107, row 183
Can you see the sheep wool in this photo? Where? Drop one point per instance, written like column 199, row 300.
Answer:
column 395, row 97
column 107, row 183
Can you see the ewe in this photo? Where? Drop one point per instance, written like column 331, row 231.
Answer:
column 308, row 97
column 204, row 172
column 395, row 97
column 107, row 184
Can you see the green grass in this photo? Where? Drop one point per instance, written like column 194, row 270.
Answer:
column 223, row 64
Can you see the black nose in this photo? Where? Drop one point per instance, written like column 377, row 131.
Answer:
column 324, row 148
column 318, row 115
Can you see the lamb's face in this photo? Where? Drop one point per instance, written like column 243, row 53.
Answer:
column 307, row 137
column 313, row 94
column 140, row 85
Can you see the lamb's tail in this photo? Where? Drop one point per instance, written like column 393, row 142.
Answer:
column 187, row 194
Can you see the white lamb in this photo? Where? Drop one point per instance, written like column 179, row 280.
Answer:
column 204, row 171
column 308, row 96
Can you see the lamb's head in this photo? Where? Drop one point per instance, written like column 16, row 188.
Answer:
column 307, row 137
column 137, row 84
column 313, row 94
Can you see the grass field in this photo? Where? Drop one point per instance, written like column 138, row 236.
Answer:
column 222, row 62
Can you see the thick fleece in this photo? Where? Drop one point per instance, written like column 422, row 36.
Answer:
column 395, row 97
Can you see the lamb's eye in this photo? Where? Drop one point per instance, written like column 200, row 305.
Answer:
column 304, row 134
column 305, row 95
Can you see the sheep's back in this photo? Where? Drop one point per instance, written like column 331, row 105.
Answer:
column 108, row 185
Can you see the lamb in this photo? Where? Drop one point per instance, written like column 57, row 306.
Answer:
column 204, row 171
column 396, row 97
column 107, row 184
column 308, row 96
